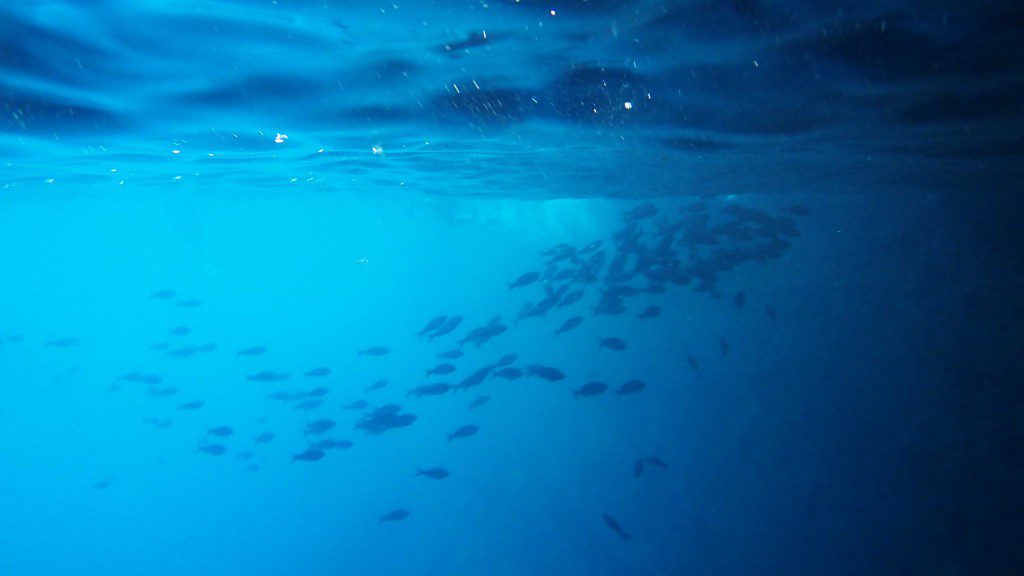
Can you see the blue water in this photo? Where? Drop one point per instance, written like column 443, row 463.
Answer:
column 820, row 201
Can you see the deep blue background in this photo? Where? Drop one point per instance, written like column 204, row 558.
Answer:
column 872, row 428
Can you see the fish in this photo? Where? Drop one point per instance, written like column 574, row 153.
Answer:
column 638, row 467
column 448, row 327
column 213, row 449
column 264, row 438
column 434, row 324
column 318, row 372
column 524, row 280
column 590, row 389
column 505, row 360
column 374, row 351
column 451, row 355
column 180, row 331
column 649, row 312
column 631, row 387
column 616, row 527
column 479, row 401
column 320, row 426
column 103, row 484
column 429, row 390
column 318, row 392
column 379, row 384
column 396, row 515
column 268, row 376
column 163, row 392
column 464, row 432
column 612, row 343
column 151, row 379
column 280, row 395
column 508, row 373
column 309, row 404
column 222, row 431
column 308, row 455
column 252, row 351
column 441, row 369
column 357, row 405
column 192, row 405
column 329, row 444
column 570, row 298
column 160, row 424
column 474, row 379
column 692, row 362
column 63, row 342
column 655, row 461
column 435, row 473
column 545, row 372
column 724, row 345
column 164, row 294
column 569, row 324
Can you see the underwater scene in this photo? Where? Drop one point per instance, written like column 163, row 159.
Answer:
column 513, row 287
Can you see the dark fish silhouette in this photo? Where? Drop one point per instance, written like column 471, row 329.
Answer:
column 724, row 346
column 480, row 401
column 464, row 432
column 614, row 525
column 509, row 373
column 264, row 438
column 612, row 343
column 320, row 426
column 374, row 351
column 213, row 449
column 590, row 389
column 357, row 405
column 441, row 369
column 308, row 455
column 165, row 294
column 474, row 379
column 429, row 390
column 570, row 298
column 505, row 360
column 451, row 355
column 692, row 362
column 655, row 461
column 434, row 324
column 638, row 467
column 280, row 395
column 180, row 331
column 63, row 342
column 160, row 424
column 318, row 392
column 318, row 372
column 545, row 372
column 163, row 392
column 524, row 280
column 379, row 384
column 193, row 405
column 151, row 379
column 569, row 324
column 183, row 352
column 309, row 404
column 394, row 516
column 252, row 351
column 649, row 312
column 329, row 444
column 435, row 473
column 103, row 484
column 740, row 299
column 268, row 376
column 631, row 387
column 222, row 431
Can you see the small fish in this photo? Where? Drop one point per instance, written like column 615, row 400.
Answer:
column 165, row 294
column 464, row 432
column 649, row 312
column 655, row 461
column 692, row 362
column 357, row 405
column 308, row 404
column 638, row 467
column 505, row 360
column 264, row 438
column 192, row 405
column 280, row 395
column 631, row 387
column 479, row 401
column 318, row 392
column 394, row 516
column 616, row 527
column 222, row 431
column 434, row 324
column 163, row 392
column 103, row 484
column 509, row 373
column 308, row 455
column 441, row 369
column 524, row 280
column 267, row 376
column 213, row 449
column 545, row 372
column 590, row 389
column 318, row 372
column 180, row 331
column 320, row 426
column 612, row 343
column 429, row 390
column 474, row 379
column 329, row 444
column 451, row 355
column 374, row 351
column 569, row 324
column 252, row 351
column 570, row 298
column 724, row 346
column 379, row 384
column 63, row 342
column 435, row 473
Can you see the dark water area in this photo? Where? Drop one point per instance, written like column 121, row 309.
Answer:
column 511, row 288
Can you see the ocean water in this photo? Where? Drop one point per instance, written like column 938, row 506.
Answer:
column 227, row 226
